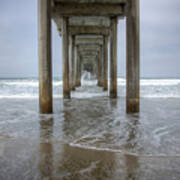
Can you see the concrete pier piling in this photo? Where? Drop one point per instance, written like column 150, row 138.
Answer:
column 100, row 67
column 45, row 61
column 78, row 70
column 72, row 66
column 87, row 28
column 133, row 57
column 105, row 67
column 113, row 60
column 65, row 51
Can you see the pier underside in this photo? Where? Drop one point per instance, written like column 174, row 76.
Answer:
column 88, row 28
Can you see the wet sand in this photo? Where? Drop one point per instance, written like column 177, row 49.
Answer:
column 90, row 139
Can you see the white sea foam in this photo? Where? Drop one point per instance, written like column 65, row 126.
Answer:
column 153, row 82
column 91, row 81
column 160, row 82
column 29, row 83
column 125, row 152
column 150, row 88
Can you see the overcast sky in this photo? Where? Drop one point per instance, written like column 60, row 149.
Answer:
column 160, row 39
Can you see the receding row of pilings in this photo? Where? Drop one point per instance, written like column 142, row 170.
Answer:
column 72, row 64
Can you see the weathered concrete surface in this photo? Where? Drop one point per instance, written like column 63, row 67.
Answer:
column 88, row 9
column 100, row 67
column 86, row 30
column 72, row 64
column 113, row 60
column 84, row 18
column 133, row 57
column 86, row 40
column 89, row 37
column 45, row 64
column 93, row 1
column 87, row 12
column 91, row 24
column 65, row 51
column 89, row 53
column 78, row 70
column 105, row 67
column 89, row 47
column 97, row 21
column 88, row 59
column 89, row 56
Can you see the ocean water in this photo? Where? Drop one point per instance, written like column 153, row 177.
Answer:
column 150, row 88
column 90, row 136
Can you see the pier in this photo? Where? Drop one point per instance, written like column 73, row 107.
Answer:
column 89, row 33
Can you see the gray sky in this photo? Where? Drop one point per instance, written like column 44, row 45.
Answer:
column 160, row 39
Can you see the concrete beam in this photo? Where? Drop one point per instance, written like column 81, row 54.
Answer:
column 89, row 51
column 89, row 60
column 92, row 1
column 97, row 21
column 88, row 9
column 89, row 47
column 82, row 53
column 86, row 41
column 88, row 30
column 79, row 37
column 91, row 56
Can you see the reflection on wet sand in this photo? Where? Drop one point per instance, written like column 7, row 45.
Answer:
column 78, row 162
column 131, row 161
column 46, row 148
column 82, row 163
column 86, row 152
column 132, row 166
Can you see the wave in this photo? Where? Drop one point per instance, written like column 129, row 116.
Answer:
column 26, row 83
column 153, row 82
column 123, row 152
column 150, row 88
column 121, row 81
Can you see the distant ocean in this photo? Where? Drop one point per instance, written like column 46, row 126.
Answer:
column 28, row 88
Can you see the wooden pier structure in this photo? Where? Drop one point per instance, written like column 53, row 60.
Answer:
column 88, row 28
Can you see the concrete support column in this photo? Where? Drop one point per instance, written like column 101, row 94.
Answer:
column 79, row 71
column 65, row 51
column 113, row 60
column 105, row 71
column 45, row 61
column 72, row 67
column 100, row 67
column 98, row 70
column 77, row 66
column 133, row 56
column 95, row 67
